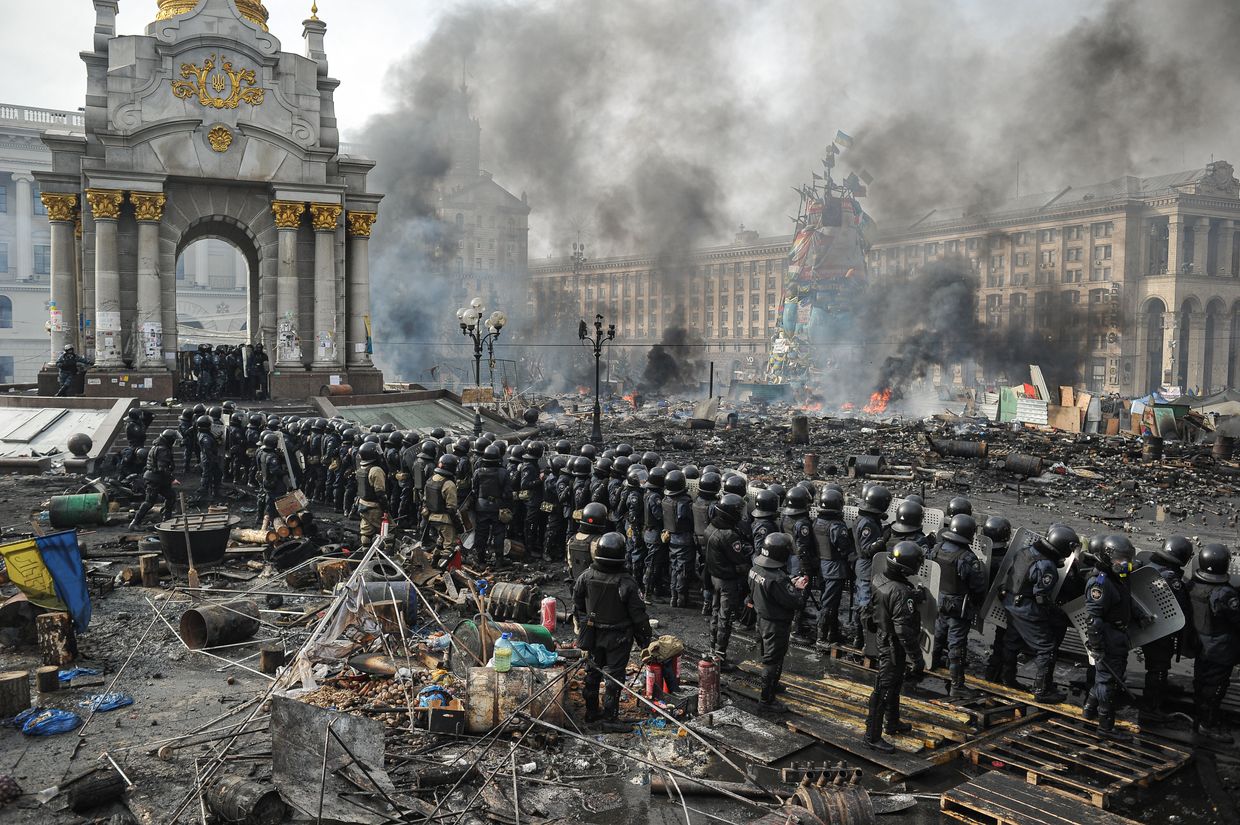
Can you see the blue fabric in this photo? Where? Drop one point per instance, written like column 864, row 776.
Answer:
column 47, row 721
column 106, row 701
column 528, row 655
column 60, row 553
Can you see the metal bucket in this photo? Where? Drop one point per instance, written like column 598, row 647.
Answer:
column 492, row 697
column 848, row 805
column 860, row 466
column 469, row 637
column 209, row 534
column 209, row 625
column 514, row 602
column 89, row 510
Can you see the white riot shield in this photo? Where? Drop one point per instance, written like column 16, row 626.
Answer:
column 1152, row 598
column 850, row 514
column 932, row 521
column 983, row 548
column 992, row 609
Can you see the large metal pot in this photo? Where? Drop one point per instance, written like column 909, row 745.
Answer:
column 208, row 532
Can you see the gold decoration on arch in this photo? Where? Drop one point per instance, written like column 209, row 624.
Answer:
column 252, row 10
column 222, row 89
column 220, row 138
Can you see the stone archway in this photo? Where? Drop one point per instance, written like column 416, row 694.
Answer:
column 1214, row 346
column 1189, row 337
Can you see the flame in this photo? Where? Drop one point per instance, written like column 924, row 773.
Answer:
column 582, row 390
column 813, row 408
column 633, row 398
column 847, row 406
column 878, row 401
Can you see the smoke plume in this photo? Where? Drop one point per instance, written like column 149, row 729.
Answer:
column 675, row 364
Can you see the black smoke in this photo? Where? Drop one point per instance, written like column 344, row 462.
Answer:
column 675, row 365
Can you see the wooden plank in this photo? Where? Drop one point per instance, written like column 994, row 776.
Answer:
column 1063, row 708
column 1068, row 748
column 1156, row 755
column 751, row 736
column 997, row 798
column 1037, row 773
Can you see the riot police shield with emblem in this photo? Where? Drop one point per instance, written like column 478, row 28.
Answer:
column 992, row 611
column 1156, row 612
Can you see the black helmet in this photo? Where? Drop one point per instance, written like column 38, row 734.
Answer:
column 602, row 467
column 736, row 484
column 169, row 437
column 428, row 450
column 447, row 465
column 273, row 423
column 394, row 440
column 388, row 428
column 229, row 407
column 709, row 485
column 141, row 455
column 349, row 435
column 623, row 449
column 1059, row 542
column 530, row 416
column 730, row 509
column 203, row 423
column 620, row 467
column 371, row 438
column 438, row 433
column 961, row 529
column 187, row 413
column 609, row 453
column 650, row 460
column 798, row 501
column 256, row 420
column 1118, row 554
column 535, row 451
column 779, row 490
column 674, row 482
column 830, row 502
column 906, row 557
column 135, row 414
column 959, row 505
column 319, row 425
column 271, row 440
column 909, row 517
column 669, row 465
column 461, row 448
column 609, row 553
column 559, row 463
column 1175, row 552
column 766, row 504
column 491, row 456
column 446, row 444
column 776, row 549
column 711, row 468
column 1213, row 564
column 563, row 446
column 589, row 451
column 216, row 412
column 875, row 500
column 579, row 467
column 593, row 517
column 200, row 409
column 656, row 478
column 916, row 497
column 369, row 452
column 68, row 347
column 691, row 471
column 635, row 477
column 998, row 530
column 235, row 421
column 513, row 454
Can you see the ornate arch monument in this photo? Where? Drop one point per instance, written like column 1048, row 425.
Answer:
column 204, row 127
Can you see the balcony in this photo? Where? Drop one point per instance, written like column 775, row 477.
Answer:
column 36, row 118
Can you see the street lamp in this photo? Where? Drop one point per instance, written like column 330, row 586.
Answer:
column 471, row 321
column 597, row 341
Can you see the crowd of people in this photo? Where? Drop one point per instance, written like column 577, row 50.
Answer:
column 634, row 530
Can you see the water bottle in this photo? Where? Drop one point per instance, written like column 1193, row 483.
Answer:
column 503, row 654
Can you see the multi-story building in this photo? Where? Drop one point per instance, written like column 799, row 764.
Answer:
column 1152, row 266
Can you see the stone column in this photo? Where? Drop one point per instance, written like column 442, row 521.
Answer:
column 105, row 206
column 61, row 212
column 288, row 343
column 149, row 209
column 358, row 308
column 1226, row 240
column 1175, row 242
column 1195, row 378
column 326, row 218
column 1201, row 246
column 22, row 231
column 1170, row 356
column 202, row 264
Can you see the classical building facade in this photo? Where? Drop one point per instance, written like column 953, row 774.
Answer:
column 204, row 128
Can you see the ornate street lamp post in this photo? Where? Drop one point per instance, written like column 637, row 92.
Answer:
column 597, row 341
column 471, row 322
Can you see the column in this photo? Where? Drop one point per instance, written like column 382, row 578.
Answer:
column 61, row 211
column 1226, row 240
column 288, row 343
column 202, row 264
column 358, row 308
column 105, row 207
column 149, row 210
column 1170, row 356
column 326, row 218
column 1201, row 246
column 1195, row 378
column 1175, row 242
column 22, row 232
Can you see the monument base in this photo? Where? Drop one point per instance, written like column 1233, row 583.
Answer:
column 158, row 385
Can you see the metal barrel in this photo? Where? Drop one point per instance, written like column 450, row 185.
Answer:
column 1224, row 446
column 514, row 602
column 399, row 591
column 860, row 466
column 835, row 805
column 810, row 464
column 209, row 625
column 800, row 429
column 238, row 799
column 1022, row 464
column 958, row 449
column 86, row 510
column 470, row 649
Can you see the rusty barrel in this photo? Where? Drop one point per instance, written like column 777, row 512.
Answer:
column 958, row 449
column 209, row 625
column 800, row 429
column 836, row 805
column 471, row 648
column 492, row 698
column 512, row 602
column 810, row 464
column 327, row 390
column 1022, row 464
column 1224, row 446
column 238, row 799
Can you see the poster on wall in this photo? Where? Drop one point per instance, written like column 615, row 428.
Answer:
column 57, row 317
column 108, row 321
column 152, row 339
column 288, row 345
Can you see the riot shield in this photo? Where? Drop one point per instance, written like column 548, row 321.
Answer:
column 850, row 514
column 932, row 521
column 1152, row 598
column 983, row 548
column 992, row 609
column 928, row 577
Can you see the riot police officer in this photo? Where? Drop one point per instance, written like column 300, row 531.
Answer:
column 490, row 491
column 579, row 470
column 599, row 480
column 234, row 450
column 728, row 559
column 897, row 624
column 68, row 364
column 908, row 525
column 187, row 428
column 657, row 581
column 1169, row 562
column 958, row 506
column 204, row 371
column 135, row 429
column 870, row 538
column 372, row 496
column 440, row 502
column 678, row 527
column 999, row 531
column 273, row 477
column 593, row 524
column 776, row 598
column 158, row 477
column 346, row 490
column 1216, row 622
column 209, row 461
column 796, row 523
column 555, row 484
column 709, row 485
column 962, row 588
column 763, row 515
column 531, row 492
column 610, row 616
column 835, row 552
column 633, row 523
column 1029, row 599
column 1108, row 609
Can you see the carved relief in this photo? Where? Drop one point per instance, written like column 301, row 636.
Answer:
column 148, row 207
column 360, row 223
column 60, row 208
column 220, row 138
column 105, row 204
column 325, row 216
column 223, row 89
column 288, row 213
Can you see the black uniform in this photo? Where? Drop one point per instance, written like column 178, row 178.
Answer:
column 804, row 560
column 633, row 525
column 775, row 599
column 657, row 574
column 189, row 441
column 678, row 524
column 1108, row 606
column 962, row 588
column 870, row 539
column 1159, row 653
column 530, row 493
column 610, row 616
column 1216, row 625
column 272, row 479
column 67, row 366
column 760, row 528
column 211, row 466
column 897, row 624
column 702, row 505
column 727, row 564
column 1029, row 601
column 835, row 553
column 490, row 491
column 994, row 665
column 553, row 514
column 158, row 477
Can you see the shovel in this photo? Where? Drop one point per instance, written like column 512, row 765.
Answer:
column 189, row 550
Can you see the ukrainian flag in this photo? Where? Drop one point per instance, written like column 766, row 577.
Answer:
column 49, row 570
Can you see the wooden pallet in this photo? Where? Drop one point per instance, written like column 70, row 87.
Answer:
column 1072, row 758
column 998, row 798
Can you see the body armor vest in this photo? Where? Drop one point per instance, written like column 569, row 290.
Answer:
column 364, row 490
column 1204, row 621
column 1121, row 611
column 634, row 509
column 159, row 460
column 949, row 581
column 603, row 600
column 489, row 484
column 822, row 537
column 701, row 518
column 672, row 523
column 1018, row 583
column 654, row 517
column 434, row 496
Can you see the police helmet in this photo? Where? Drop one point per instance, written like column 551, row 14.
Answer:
column 135, row 414
column 656, row 479
column 348, row 436
column 535, row 451
column 634, row 478
column 624, row 449
column 909, row 517
column 906, row 557
column 491, row 456
column 200, row 409
column 187, row 413
column 589, row 451
column 563, row 446
column 709, row 485
column 203, row 423
column 428, row 450
column 961, row 529
column 798, row 502
column 876, row 499
column 369, row 453
column 650, row 460
column 448, row 465
column 594, row 517
column 371, row 438
column 730, row 509
column 389, row 428
column 1059, row 542
column 674, row 482
column 959, row 505
column 609, row 553
column 229, row 407
column 395, row 441
column 737, row 484
column 711, row 468
column 579, row 467
column 216, row 412
column 271, row 441
column 1118, row 554
column 779, row 490
column 609, row 453
column 68, row 347
column 602, row 467
column 691, row 471
column 461, row 448
column 1175, row 552
column 438, row 433
column 169, row 437
column 998, row 530
column 830, row 502
column 1213, row 564
column 620, row 466
column 141, row 455
column 273, row 423
column 766, row 505
column 776, row 549
column 559, row 463
column 916, row 497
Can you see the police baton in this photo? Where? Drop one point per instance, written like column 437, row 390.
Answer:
column 1118, row 679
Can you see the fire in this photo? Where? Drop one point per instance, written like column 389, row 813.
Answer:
column 815, row 407
column 633, row 398
column 582, row 390
column 847, row 406
column 878, row 401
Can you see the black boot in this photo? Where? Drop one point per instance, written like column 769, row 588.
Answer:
column 1106, row 725
column 874, row 723
column 139, row 516
column 1007, row 675
column 1154, row 695
column 1209, row 723
column 938, row 660
column 611, row 702
column 1090, row 710
column 960, row 690
column 593, row 714
column 1044, row 689
column 770, row 682
column 824, row 636
column 894, row 725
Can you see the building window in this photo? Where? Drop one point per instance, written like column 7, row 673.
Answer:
column 4, row 258
column 6, row 312
column 1019, row 279
column 1073, row 254
column 4, row 192
column 1103, row 230
column 971, row 244
column 6, row 369
column 1072, row 233
column 460, row 221
column 1095, row 296
column 1100, row 273
column 1071, row 276
column 1020, row 238
column 37, row 200
column 1047, row 236
column 953, row 247
column 1102, row 253
column 932, row 249
column 1047, row 256
column 996, row 262
column 42, row 259
column 1020, row 259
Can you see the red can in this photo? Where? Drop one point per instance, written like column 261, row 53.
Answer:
column 708, row 686
column 654, row 681
column 548, row 614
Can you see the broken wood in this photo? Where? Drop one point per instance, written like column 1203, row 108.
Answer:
column 270, row 658
column 47, row 679
column 57, row 641
column 151, row 567
column 14, row 693
column 332, row 572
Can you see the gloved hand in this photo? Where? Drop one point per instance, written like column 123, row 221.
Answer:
column 665, row 536
column 1094, row 646
column 916, row 671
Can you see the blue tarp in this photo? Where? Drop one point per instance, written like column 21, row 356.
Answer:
column 59, row 552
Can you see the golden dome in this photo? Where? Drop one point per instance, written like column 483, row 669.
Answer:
column 251, row 10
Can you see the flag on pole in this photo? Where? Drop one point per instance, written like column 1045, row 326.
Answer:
column 843, row 139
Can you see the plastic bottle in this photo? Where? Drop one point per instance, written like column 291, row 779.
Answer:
column 503, row 654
